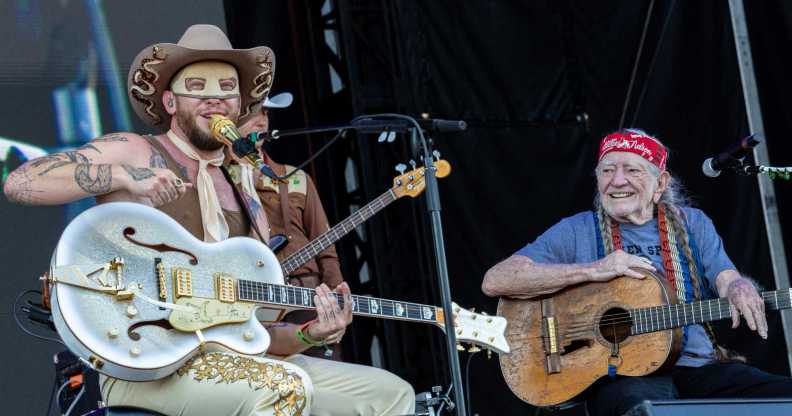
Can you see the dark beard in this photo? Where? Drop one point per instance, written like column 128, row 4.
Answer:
column 198, row 138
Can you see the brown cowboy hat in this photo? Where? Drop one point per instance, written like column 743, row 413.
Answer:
column 153, row 67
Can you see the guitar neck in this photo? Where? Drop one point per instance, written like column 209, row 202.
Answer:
column 659, row 318
column 303, row 255
column 302, row 298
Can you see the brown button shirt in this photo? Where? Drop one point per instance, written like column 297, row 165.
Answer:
column 306, row 220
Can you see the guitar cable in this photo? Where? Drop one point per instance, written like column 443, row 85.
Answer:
column 35, row 313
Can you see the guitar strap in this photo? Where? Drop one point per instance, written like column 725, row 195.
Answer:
column 283, row 190
column 678, row 273
column 283, row 193
column 244, row 203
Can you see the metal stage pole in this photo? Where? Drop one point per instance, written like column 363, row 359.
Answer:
column 766, row 190
column 433, row 207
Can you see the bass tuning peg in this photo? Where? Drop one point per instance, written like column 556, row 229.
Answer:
column 401, row 167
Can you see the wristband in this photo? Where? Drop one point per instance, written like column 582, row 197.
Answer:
column 302, row 335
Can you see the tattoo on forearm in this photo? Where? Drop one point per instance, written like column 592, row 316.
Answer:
column 94, row 179
column 157, row 160
column 138, row 174
column 22, row 191
column 111, row 138
column 59, row 159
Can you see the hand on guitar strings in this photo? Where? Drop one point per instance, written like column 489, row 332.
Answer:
column 745, row 300
column 331, row 319
column 618, row 264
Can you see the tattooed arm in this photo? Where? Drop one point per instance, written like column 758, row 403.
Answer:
column 107, row 165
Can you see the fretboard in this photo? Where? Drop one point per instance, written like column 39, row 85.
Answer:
column 303, row 255
column 658, row 318
column 301, row 297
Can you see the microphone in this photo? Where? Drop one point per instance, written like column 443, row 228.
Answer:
column 224, row 131
column 729, row 158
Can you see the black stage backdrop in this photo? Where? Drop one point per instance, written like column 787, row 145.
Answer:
column 539, row 83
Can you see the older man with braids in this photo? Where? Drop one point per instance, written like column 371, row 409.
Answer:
column 641, row 221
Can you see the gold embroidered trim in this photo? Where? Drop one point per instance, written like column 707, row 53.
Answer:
column 262, row 82
column 144, row 78
column 233, row 368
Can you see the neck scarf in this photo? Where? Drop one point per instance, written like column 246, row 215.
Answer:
column 214, row 223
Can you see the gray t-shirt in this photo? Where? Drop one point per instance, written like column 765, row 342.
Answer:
column 575, row 240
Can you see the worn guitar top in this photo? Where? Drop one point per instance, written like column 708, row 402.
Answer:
column 574, row 240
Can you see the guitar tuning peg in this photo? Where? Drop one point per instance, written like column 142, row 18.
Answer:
column 473, row 310
column 401, row 167
column 412, row 163
column 436, row 154
column 484, row 313
column 474, row 348
column 460, row 347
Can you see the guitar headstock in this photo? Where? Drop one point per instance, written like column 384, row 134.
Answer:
column 412, row 183
column 480, row 329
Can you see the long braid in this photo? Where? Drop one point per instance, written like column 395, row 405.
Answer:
column 675, row 216
column 604, row 224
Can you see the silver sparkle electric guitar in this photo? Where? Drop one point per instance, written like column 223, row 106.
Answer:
column 135, row 295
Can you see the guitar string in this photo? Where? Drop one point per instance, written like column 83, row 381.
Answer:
column 380, row 202
column 627, row 317
column 257, row 291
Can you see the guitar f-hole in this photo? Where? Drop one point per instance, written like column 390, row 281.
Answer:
column 134, row 336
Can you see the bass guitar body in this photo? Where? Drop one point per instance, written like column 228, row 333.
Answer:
column 563, row 343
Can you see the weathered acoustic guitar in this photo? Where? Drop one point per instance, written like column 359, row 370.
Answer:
column 561, row 344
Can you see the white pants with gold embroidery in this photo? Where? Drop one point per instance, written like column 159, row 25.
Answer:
column 221, row 383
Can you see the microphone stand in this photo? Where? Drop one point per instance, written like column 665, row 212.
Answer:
column 434, row 208
column 772, row 171
column 242, row 147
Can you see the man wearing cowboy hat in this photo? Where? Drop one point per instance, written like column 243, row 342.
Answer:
column 178, row 87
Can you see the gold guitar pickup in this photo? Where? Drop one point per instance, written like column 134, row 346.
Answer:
column 182, row 282
column 225, row 287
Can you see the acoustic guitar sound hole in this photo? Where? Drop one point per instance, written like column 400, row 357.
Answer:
column 615, row 324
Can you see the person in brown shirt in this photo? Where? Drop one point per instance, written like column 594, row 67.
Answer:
column 300, row 217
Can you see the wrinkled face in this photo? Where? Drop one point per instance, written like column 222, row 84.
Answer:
column 202, row 90
column 628, row 189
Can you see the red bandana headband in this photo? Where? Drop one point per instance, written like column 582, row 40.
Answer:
column 640, row 144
